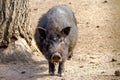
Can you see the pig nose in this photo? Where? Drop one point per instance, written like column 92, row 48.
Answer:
column 56, row 57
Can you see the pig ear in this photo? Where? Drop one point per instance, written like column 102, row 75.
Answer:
column 42, row 32
column 66, row 31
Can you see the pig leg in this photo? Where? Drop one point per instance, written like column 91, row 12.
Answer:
column 51, row 68
column 61, row 69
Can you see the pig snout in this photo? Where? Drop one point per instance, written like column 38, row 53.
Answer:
column 56, row 58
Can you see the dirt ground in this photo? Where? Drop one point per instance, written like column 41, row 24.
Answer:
column 97, row 53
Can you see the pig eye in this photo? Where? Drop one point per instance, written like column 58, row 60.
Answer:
column 53, row 38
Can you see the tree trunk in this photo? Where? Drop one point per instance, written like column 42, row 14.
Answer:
column 15, row 28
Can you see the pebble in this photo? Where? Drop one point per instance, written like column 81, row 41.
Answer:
column 117, row 73
column 113, row 60
column 23, row 72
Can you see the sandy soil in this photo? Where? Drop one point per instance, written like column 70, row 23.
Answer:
column 97, row 54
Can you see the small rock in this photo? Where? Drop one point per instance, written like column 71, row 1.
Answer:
column 117, row 73
column 70, row 3
column 118, row 63
column 105, row 1
column 113, row 60
column 87, row 22
column 35, row 9
column 92, row 57
column 97, row 26
column 23, row 72
column 102, row 72
column 81, row 66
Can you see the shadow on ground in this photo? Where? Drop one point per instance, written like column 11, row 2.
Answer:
column 23, row 71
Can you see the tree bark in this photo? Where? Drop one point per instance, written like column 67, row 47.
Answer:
column 15, row 30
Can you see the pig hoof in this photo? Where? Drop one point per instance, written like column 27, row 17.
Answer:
column 60, row 74
column 51, row 73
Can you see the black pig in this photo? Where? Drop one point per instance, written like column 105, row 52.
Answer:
column 56, row 36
